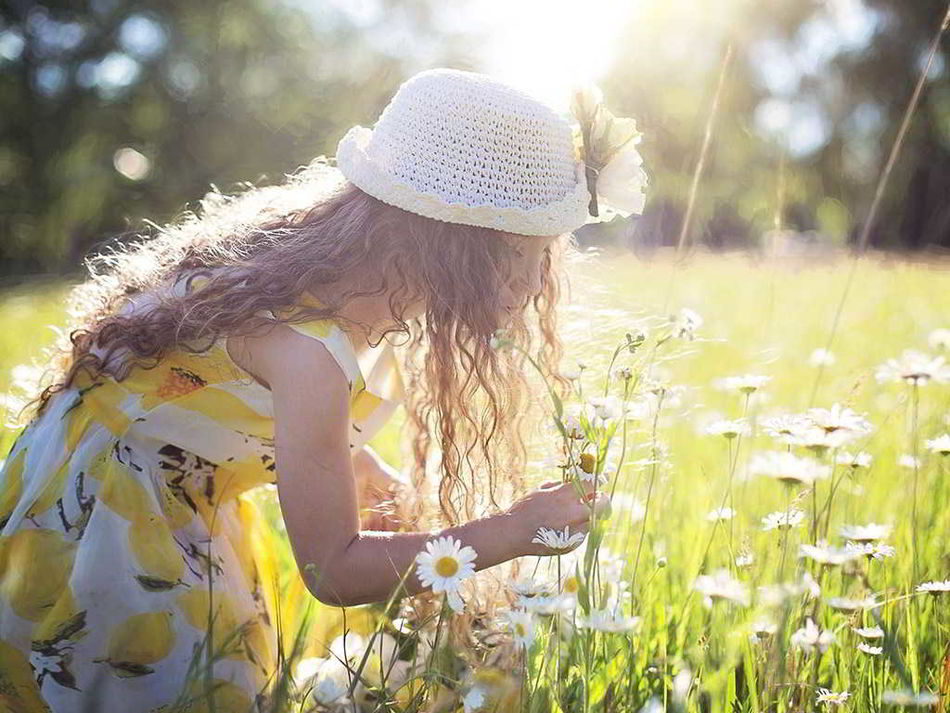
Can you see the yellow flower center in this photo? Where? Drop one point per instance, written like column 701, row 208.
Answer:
column 446, row 566
column 570, row 585
column 519, row 629
column 587, row 462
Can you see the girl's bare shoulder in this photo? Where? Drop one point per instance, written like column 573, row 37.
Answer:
column 281, row 354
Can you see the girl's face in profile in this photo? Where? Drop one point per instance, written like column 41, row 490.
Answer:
column 524, row 271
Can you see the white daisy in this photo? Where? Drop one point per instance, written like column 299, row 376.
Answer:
column 579, row 472
column 847, row 604
column 455, row 601
column 775, row 595
column 528, row 587
column 549, row 604
column 908, row 461
column 853, row 460
column 940, row 445
column 763, row 628
column 307, row 667
column 935, row 587
column 819, row 440
column 810, row 586
column 839, row 418
column 609, row 620
column 810, row 637
column 522, row 626
column 871, row 632
column 865, row 533
column 720, row 514
column 871, row 650
column 783, row 519
column 744, row 384
column 444, row 564
column 823, row 553
column 871, row 550
column 785, row 426
column 573, row 373
column 914, row 367
column 558, row 541
column 835, row 699
column 686, row 323
column 727, row 429
column 939, row 340
column 572, row 426
column 745, row 558
column 821, row 357
column 721, row 586
column 330, row 683
column 606, row 408
column 788, row 468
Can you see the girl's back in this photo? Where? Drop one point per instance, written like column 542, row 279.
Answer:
column 124, row 530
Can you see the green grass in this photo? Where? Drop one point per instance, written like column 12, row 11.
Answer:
column 764, row 318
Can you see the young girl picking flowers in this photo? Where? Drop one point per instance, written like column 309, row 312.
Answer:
column 248, row 345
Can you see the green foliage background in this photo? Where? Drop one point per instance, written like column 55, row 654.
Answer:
column 219, row 93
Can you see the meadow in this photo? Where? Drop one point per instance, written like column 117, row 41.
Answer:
column 777, row 511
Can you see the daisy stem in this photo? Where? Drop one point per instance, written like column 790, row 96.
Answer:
column 785, row 532
column 438, row 633
column 826, row 510
column 646, row 507
column 915, row 400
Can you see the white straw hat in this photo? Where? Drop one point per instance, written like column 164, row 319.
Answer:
column 463, row 147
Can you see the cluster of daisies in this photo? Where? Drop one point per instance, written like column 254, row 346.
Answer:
column 810, row 447
column 815, row 443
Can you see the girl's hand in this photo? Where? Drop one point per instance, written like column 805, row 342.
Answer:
column 377, row 486
column 554, row 505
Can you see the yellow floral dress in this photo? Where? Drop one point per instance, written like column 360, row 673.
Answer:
column 126, row 527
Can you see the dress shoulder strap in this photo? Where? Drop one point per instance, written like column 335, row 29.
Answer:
column 335, row 340
column 326, row 331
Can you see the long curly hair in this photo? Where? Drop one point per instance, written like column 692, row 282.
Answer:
column 263, row 247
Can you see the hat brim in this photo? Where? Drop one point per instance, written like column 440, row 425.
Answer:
column 562, row 216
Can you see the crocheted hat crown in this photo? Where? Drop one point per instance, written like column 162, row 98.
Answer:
column 463, row 147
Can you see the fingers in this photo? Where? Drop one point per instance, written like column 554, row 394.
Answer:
column 578, row 508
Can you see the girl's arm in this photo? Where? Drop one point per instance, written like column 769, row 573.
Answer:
column 317, row 489
column 377, row 484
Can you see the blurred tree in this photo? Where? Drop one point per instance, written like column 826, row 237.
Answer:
column 116, row 110
column 810, row 109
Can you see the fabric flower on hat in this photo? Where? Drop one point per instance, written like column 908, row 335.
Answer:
column 607, row 145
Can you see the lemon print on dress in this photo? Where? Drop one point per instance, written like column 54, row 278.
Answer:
column 156, row 552
column 226, row 633
column 12, row 485
column 122, row 492
column 35, row 564
column 177, row 513
column 138, row 641
column 19, row 692
column 52, row 491
column 63, row 621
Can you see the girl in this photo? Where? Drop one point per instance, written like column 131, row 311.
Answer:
column 240, row 348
